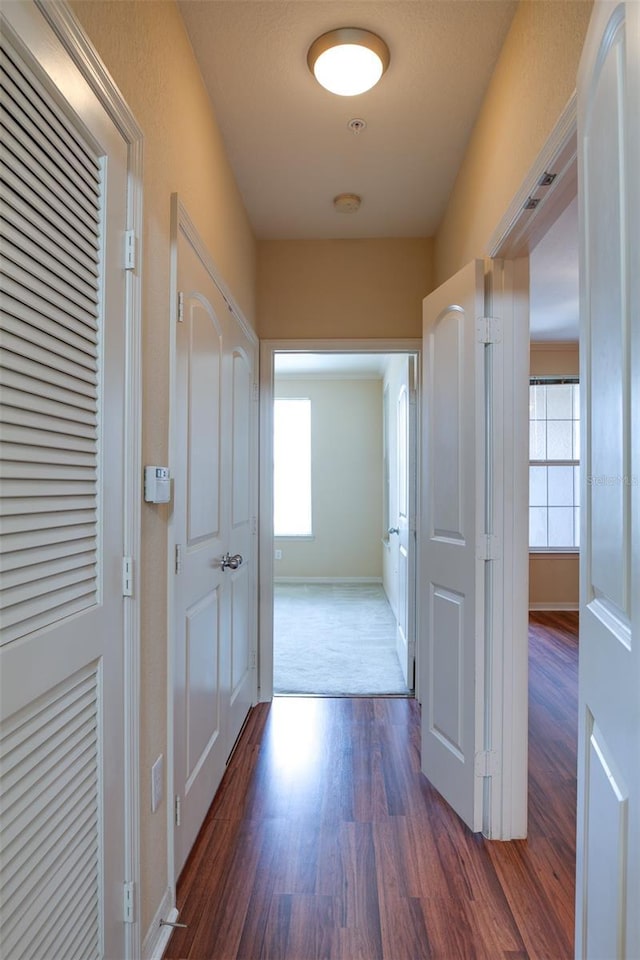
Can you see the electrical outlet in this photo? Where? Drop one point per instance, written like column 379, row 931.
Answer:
column 277, row 554
column 157, row 778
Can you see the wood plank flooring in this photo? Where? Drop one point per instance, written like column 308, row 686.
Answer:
column 325, row 841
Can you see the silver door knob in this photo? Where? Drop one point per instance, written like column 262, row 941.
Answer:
column 229, row 562
column 393, row 530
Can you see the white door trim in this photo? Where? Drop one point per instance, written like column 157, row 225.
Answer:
column 265, row 577
column 517, row 233
column 78, row 45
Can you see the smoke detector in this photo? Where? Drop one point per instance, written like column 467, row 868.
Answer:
column 347, row 203
column 357, row 125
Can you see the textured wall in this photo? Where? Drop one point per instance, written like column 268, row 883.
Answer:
column 346, row 481
column 533, row 80
column 145, row 48
column 342, row 288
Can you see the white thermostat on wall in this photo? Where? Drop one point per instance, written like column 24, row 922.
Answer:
column 157, row 485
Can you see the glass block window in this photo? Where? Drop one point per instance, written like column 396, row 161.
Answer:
column 554, row 464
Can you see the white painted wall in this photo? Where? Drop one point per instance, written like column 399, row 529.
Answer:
column 346, row 476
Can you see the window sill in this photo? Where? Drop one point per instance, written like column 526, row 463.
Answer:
column 294, row 536
column 550, row 552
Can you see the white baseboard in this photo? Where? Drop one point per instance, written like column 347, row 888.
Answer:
column 327, row 579
column 550, row 606
column 157, row 937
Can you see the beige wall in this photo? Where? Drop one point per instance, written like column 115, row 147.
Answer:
column 343, row 288
column 554, row 578
column 533, row 80
column 145, row 48
column 346, row 481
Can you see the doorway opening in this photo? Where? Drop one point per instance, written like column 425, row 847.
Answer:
column 338, row 590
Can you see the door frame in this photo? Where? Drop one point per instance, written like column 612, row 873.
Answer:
column 517, row 233
column 76, row 43
column 268, row 348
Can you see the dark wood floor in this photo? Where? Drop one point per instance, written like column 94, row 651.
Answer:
column 325, row 841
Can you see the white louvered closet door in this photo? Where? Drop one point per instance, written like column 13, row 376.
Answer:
column 63, row 205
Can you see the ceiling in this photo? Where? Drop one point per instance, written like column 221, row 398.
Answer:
column 356, row 366
column 287, row 138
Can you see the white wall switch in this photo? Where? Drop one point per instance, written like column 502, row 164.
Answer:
column 277, row 555
column 157, row 783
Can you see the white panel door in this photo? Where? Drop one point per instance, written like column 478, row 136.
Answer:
column 214, row 531
column 405, row 495
column 64, row 195
column 452, row 516
column 608, row 863
column 201, row 507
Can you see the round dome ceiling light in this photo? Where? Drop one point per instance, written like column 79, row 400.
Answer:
column 348, row 61
column 347, row 203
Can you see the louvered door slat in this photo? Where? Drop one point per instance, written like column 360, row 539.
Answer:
column 46, row 223
column 34, row 166
column 66, row 367
column 62, row 311
column 37, row 103
column 20, row 407
column 44, row 487
column 17, row 417
column 32, row 241
column 60, row 327
column 79, row 944
column 42, row 332
column 46, row 569
column 86, row 178
column 46, row 455
column 24, row 373
column 20, row 506
column 14, row 560
column 30, row 540
column 41, row 444
column 80, row 397
column 19, row 266
column 50, row 846
column 35, row 471
column 52, row 208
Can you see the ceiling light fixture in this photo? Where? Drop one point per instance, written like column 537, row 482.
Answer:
column 348, row 61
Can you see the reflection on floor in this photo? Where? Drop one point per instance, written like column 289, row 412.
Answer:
column 335, row 639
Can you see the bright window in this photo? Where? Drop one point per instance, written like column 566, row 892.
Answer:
column 554, row 465
column 292, row 468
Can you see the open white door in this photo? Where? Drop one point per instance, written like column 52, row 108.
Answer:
column 405, row 529
column 473, row 537
column 452, row 517
column 608, row 862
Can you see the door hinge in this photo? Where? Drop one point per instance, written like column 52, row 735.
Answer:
column 487, row 763
column 128, row 910
column 127, row 576
column 254, row 526
column 488, row 547
column 256, row 392
column 180, row 307
column 489, row 330
column 178, row 558
column 177, row 808
column 129, row 250
column 252, row 660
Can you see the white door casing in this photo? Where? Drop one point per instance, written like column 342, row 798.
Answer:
column 213, row 604
column 608, row 849
column 67, row 450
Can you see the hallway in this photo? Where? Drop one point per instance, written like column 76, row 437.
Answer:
column 324, row 840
